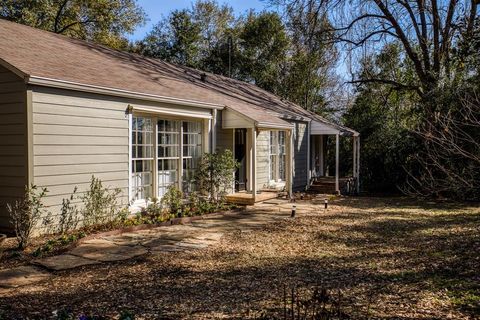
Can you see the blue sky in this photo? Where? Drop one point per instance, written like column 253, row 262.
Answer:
column 156, row 8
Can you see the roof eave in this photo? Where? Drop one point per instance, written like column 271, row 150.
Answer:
column 62, row 84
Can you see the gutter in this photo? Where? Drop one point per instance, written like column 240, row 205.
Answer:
column 61, row 84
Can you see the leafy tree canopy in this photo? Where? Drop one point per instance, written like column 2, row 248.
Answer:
column 101, row 21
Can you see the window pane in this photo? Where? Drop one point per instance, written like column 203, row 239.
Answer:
column 142, row 148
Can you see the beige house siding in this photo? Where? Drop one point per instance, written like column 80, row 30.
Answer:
column 76, row 136
column 13, row 141
column 224, row 136
column 263, row 163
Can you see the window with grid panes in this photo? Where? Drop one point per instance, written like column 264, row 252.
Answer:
column 142, row 158
column 168, row 154
column 281, row 155
column 192, row 151
column 277, row 154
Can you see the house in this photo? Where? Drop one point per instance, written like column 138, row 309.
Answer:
column 70, row 109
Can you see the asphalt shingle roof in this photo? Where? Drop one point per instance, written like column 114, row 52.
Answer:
column 44, row 54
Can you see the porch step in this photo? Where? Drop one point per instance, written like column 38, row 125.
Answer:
column 325, row 185
column 322, row 188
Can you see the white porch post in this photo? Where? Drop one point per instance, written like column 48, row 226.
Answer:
column 337, row 163
column 313, row 157
column 290, row 164
column 358, row 164
column 253, row 169
column 309, row 153
column 213, row 136
column 354, row 157
column 320, row 154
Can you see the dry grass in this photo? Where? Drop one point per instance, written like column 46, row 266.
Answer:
column 388, row 258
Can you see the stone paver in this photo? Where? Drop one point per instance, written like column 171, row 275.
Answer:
column 196, row 235
column 21, row 276
column 108, row 252
column 64, row 262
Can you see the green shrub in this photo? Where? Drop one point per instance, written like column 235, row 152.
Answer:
column 69, row 214
column 173, row 200
column 26, row 213
column 215, row 174
column 100, row 204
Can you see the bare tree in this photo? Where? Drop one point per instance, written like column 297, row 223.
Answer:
column 427, row 30
column 449, row 164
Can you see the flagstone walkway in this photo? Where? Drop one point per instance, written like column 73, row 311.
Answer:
column 198, row 234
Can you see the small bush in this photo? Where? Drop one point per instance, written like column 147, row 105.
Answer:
column 69, row 214
column 100, row 204
column 215, row 174
column 26, row 213
column 173, row 200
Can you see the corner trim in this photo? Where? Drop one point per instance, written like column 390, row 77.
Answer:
column 29, row 137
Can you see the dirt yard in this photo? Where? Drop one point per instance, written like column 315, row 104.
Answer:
column 384, row 258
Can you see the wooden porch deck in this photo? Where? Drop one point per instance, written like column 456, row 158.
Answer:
column 244, row 198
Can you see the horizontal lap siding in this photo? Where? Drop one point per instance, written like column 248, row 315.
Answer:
column 224, row 137
column 76, row 136
column 263, row 162
column 13, row 141
column 300, row 155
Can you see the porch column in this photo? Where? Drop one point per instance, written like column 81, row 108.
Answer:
column 337, row 162
column 213, row 145
column 321, row 155
column 358, row 164
column 253, row 162
column 309, row 154
column 354, row 172
column 289, row 157
column 313, row 158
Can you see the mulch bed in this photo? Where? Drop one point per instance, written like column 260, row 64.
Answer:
column 383, row 258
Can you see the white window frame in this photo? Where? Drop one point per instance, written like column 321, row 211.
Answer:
column 205, row 127
column 274, row 177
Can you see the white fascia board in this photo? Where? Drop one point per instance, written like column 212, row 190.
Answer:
column 172, row 112
column 55, row 83
column 266, row 125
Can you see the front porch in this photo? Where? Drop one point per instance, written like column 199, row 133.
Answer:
column 247, row 198
column 265, row 153
column 325, row 177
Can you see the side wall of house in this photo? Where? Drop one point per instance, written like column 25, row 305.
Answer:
column 224, row 136
column 13, row 142
column 300, row 155
column 76, row 136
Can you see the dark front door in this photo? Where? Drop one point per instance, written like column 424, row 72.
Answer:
column 241, row 157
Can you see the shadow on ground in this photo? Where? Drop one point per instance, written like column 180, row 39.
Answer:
column 388, row 258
